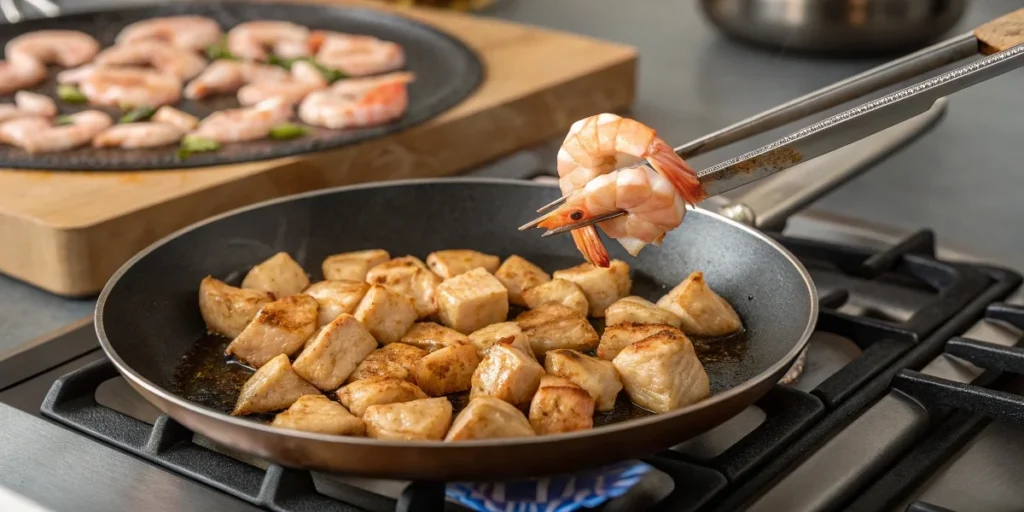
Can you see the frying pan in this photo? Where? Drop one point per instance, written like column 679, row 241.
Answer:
column 446, row 73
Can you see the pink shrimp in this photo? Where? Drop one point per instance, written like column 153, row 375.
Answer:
column 19, row 72
column 305, row 78
column 68, row 48
column 358, row 102
column 224, row 76
column 138, row 135
column 251, row 40
column 39, row 134
column 356, row 55
column 241, row 124
column 35, row 103
column 130, row 87
column 187, row 32
column 161, row 56
column 169, row 115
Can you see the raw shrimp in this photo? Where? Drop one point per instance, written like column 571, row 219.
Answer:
column 68, row 48
column 248, row 123
column 129, row 87
column 19, row 72
column 40, row 135
column 653, row 205
column 161, row 56
column 356, row 55
column 169, row 115
column 138, row 135
column 251, row 40
column 224, row 76
column 305, row 78
column 193, row 33
column 358, row 102
column 35, row 103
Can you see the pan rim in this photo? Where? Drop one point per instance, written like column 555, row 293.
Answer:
column 211, row 414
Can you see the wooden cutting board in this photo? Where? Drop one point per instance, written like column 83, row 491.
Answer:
column 68, row 232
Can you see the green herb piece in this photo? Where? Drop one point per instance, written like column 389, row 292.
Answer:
column 137, row 114
column 63, row 121
column 192, row 144
column 274, row 60
column 220, row 50
column 70, row 94
column 287, row 131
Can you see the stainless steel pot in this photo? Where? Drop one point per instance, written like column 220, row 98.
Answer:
column 838, row 27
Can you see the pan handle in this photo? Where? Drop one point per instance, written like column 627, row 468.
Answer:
column 768, row 204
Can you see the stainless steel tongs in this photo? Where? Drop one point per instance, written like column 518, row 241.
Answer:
column 1002, row 40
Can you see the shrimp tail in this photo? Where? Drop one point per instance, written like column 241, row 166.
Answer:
column 670, row 165
column 590, row 245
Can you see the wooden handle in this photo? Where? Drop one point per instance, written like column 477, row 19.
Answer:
column 1001, row 33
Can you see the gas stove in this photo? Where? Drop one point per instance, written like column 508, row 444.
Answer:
column 908, row 401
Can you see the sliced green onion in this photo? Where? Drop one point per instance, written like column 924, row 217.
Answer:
column 70, row 94
column 63, row 121
column 219, row 50
column 137, row 114
column 191, row 144
column 287, row 131
column 274, row 60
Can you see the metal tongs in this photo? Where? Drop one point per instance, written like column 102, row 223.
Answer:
column 1002, row 40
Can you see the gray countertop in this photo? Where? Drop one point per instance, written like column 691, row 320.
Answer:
column 961, row 179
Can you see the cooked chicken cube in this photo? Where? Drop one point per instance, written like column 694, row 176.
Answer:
column 431, row 336
column 317, row 413
column 396, row 360
column 333, row 354
column 279, row 274
column 273, row 387
column 638, row 310
column 601, row 286
column 227, row 309
column 408, row 276
column 550, row 326
column 507, row 373
column 559, row 291
column 336, row 297
column 470, row 301
column 560, row 406
column 519, row 275
column 361, row 394
column 447, row 370
column 487, row 417
column 426, row 419
column 619, row 336
column 509, row 332
column 597, row 376
column 385, row 313
column 353, row 266
column 280, row 327
column 702, row 311
column 452, row 262
column 662, row 373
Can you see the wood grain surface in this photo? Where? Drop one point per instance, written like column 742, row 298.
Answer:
column 67, row 232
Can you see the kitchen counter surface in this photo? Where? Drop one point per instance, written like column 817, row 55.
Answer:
column 959, row 180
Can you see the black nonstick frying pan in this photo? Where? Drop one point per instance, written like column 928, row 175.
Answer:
column 446, row 73
column 148, row 317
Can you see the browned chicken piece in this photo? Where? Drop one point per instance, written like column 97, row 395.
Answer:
column 447, row 370
column 280, row 327
column 396, row 360
column 385, row 313
column 619, row 336
column 333, row 354
column 508, row 332
column 662, row 373
column 561, row 406
column 426, row 419
column 452, row 262
column 227, row 309
column 472, row 300
column 702, row 311
column 336, row 297
column 273, row 387
column 279, row 275
column 317, row 413
column 361, row 394
column 638, row 310
column 597, row 376
column 601, row 286
column 507, row 373
column 551, row 326
column 519, row 275
column 487, row 417
column 353, row 266
column 559, row 291
column 409, row 276
column 431, row 336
